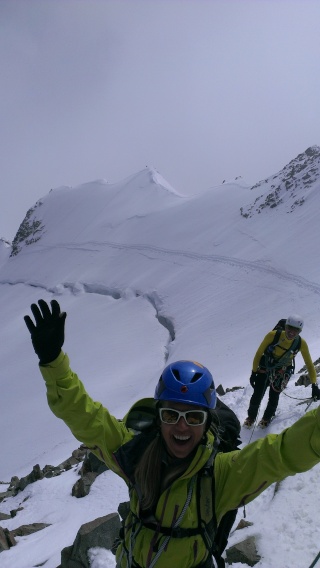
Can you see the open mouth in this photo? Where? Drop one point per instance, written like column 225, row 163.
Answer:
column 181, row 440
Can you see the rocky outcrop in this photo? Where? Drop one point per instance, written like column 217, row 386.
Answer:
column 244, row 552
column 19, row 484
column 29, row 232
column 91, row 467
column 221, row 391
column 7, row 538
column 101, row 532
column 289, row 187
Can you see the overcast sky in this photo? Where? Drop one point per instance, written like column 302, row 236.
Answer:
column 203, row 90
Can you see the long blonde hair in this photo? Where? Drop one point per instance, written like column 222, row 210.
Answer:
column 148, row 473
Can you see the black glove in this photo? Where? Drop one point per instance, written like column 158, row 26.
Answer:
column 47, row 334
column 315, row 391
column 253, row 379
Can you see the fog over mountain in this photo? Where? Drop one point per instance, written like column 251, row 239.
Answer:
column 148, row 276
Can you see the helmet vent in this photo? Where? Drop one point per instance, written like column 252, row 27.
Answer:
column 196, row 377
column 176, row 374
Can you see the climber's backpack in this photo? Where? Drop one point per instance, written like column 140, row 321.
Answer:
column 142, row 417
column 281, row 324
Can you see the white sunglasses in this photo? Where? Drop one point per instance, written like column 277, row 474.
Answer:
column 192, row 417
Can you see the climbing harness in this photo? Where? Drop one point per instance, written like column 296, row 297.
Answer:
column 287, row 356
column 279, row 378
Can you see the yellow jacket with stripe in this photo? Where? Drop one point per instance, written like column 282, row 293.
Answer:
column 240, row 476
column 282, row 345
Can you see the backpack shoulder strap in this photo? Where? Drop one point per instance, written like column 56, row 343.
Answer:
column 276, row 337
column 297, row 347
column 207, row 519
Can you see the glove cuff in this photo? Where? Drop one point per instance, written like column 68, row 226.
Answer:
column 49, row 358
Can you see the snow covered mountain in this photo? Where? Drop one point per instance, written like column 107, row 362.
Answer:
column 147, row 276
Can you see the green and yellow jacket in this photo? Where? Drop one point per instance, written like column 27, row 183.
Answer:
column 283, row 345
column 240, row 476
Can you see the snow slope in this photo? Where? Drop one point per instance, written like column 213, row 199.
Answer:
column 149, row 276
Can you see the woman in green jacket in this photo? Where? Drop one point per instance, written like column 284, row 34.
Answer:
column 161, row 467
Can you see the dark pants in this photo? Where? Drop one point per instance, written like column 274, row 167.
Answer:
column 261, row 385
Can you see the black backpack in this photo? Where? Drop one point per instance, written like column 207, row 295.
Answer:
column 226, row 428
column 281, row 324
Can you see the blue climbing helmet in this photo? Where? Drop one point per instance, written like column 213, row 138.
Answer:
column 188, row 382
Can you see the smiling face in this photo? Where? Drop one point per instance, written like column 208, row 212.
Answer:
column 291, row 332
column 181, row 438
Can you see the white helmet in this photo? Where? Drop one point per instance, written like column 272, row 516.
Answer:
column 295, row 321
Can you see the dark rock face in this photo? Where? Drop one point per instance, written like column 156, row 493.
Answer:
column 288, row 187
column 101, row 532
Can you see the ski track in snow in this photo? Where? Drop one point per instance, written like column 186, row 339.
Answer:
column 153, row 297
column 231, row 261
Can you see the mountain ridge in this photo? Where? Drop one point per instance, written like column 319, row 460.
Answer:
column 290, row 185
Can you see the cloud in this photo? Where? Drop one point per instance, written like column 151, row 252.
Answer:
column 202, row 90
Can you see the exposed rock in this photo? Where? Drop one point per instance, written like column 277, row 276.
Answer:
column 243, row 524
column 244, row 552
column 10, row 538
column 5, row 495
column 303, row 380
column 7, row 538
column 92, row 467
column 317, row 367
column 221, row 392
column 26, row 530
column 29, row 231
column 14, row 512
column 82, row 487
column 4, row 544
column 101, row 532
column 234, row 389
column 92, row 463
column 36, row 474
column 287, row 188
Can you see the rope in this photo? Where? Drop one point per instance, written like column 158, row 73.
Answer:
column 254, row 427
column 176, row 524
column 295, row 398
column 315, row 560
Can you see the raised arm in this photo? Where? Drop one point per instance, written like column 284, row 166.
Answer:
column 89, row 421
